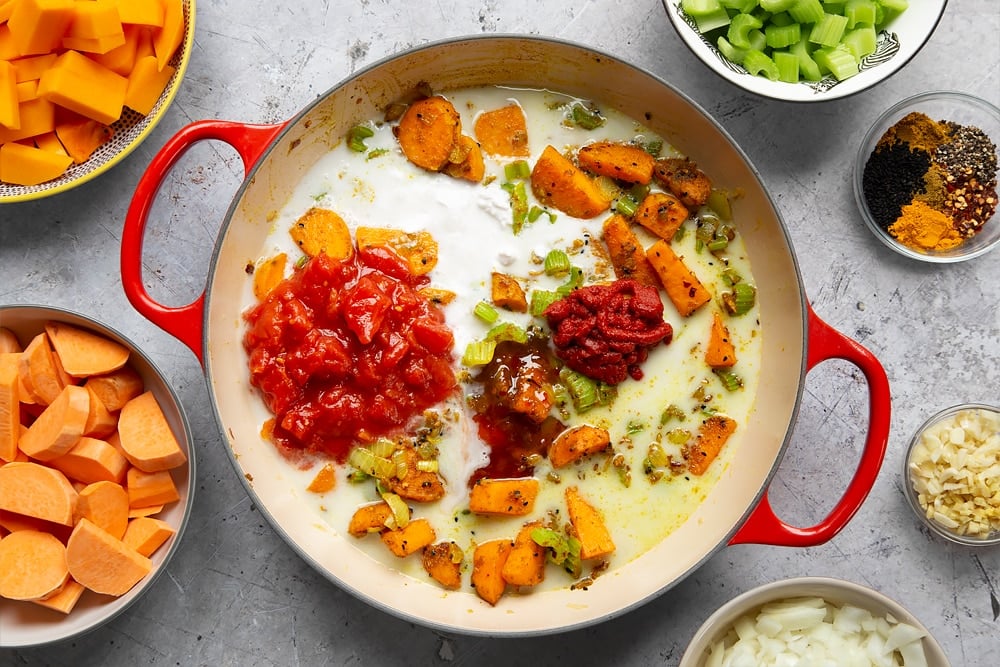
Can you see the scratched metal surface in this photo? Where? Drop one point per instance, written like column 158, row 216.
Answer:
column 236, row 594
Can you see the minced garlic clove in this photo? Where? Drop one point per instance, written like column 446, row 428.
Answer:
column 955, row 472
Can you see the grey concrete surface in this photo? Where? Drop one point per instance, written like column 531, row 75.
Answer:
column 235, row 594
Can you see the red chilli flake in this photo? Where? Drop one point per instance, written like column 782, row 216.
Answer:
column 606, row 331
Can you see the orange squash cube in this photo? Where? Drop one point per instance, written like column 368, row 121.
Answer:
column 27, row 165
column 38, row 26
column 10, row 115
column 78, row 83
column 145, row 85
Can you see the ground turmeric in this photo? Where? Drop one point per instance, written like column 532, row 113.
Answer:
column 920, row 226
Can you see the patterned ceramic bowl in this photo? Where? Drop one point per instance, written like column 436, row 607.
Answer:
column 895, row 45
column 126, row 133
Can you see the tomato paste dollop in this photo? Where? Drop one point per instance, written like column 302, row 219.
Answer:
column 606, row 331
column 345, row 351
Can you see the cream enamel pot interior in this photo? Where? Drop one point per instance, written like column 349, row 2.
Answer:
column 277, row 156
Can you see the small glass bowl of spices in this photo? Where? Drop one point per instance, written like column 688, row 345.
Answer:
column 951, row 474
column 925, row 179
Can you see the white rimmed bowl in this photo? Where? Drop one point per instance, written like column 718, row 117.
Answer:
column 834, row 591
column 23, row 624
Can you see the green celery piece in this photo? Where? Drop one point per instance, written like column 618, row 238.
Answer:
column 757, row 40
column 887, row 10
column 739, row 29
column 780, row 36
column 860, row 41
column 707, row 24
column 859, row 12
column 834, row 6
column 708, row 15
column 807, row 11
column 742, row 6
column 759, row 63
column 776, row 5
column 781, row 19
column 788, row 66
column 829, row 30
column 838, row 60
column 807, row 66
column 700, row 7
column 731, row 53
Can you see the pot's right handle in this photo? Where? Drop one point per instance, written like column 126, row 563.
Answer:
column 763, row 526
column 184, row 322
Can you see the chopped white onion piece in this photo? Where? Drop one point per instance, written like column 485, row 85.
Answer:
column 797, row 633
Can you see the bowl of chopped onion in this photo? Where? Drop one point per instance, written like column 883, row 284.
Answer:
column 950, row 470
column 804, row 50
column 813, row 621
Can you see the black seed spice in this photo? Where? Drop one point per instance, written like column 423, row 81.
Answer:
column 892, row 176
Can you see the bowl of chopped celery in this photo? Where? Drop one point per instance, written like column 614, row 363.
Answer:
column 949, row 474
column 804, row 50
column 813, row 621
column 925, row 177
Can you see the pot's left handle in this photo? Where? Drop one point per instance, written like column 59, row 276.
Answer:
column 763, row 526
column 183, row 322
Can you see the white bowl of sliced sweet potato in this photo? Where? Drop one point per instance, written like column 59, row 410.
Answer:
column 96, row 466
column 83, row 84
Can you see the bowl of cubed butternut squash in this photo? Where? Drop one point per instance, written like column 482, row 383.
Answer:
column 96, row 474
column 82, row 83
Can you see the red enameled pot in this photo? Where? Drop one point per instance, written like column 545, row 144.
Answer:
column 795, row 340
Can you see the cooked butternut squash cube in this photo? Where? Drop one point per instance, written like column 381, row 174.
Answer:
column 525, row 564
column 369, row 518
column 488, row 561
column 443, row 561
column 506, row 292
column 419, row 248
column 503, row 131
column 628, row 257
column 405, row 541
column 687, row 293
column 712, row 435
column 559, row 183
column 620, row 161
column 574, row 443
column 506, row 497
column 595, row 540
column 321, row 230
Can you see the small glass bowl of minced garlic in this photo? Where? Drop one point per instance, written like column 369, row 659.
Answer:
column 925, row 178
column 951, row 474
